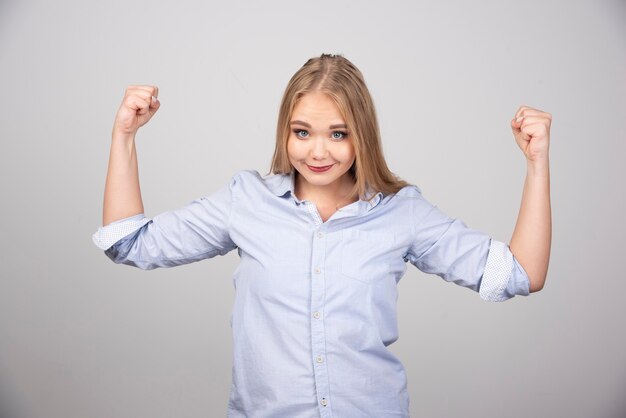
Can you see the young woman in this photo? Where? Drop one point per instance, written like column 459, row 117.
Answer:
column 324, row 239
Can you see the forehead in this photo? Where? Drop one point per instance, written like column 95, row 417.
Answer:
column 317, row 108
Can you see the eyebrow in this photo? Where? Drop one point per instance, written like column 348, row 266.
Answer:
column 299, row 122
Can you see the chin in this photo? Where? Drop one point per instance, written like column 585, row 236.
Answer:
column 320, row 182
column 317, row 178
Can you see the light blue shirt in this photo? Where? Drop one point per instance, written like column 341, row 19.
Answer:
column 315, row 302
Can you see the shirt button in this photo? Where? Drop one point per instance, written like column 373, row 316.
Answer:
column 324, row 402
column 320, row 234
column 317, row 270
column 316, row 315
column 319, row 359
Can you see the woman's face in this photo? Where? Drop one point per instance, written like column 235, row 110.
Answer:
column 319, row 145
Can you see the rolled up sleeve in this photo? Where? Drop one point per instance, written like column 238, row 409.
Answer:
column 108, row 235
column 504, row 276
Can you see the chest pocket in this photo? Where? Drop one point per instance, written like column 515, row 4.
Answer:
column 366, row 255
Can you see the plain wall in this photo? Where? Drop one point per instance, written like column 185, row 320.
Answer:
column 83, row 337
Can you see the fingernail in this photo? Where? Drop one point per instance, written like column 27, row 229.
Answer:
column 154, row 100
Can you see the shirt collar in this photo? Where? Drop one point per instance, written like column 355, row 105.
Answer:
column 281, row 184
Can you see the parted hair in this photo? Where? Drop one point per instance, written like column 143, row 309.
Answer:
column 342, row 81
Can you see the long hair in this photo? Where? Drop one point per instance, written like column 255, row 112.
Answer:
column 337, row 77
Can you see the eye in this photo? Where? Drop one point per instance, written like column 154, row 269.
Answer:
column 338, row 135
column 301, row 133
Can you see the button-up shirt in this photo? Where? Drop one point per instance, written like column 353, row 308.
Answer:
column 315, row 302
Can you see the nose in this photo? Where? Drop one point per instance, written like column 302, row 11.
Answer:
column 319, row 151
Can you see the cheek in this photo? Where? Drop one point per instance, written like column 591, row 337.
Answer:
column 293, row 150
column 346, row 152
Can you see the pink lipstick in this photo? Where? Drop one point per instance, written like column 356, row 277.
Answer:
column 319, row 169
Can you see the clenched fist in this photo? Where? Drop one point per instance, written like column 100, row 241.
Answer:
column 531, row 129
column 140, row 103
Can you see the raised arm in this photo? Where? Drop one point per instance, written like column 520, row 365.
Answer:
column 532, row 236
column 122, row 194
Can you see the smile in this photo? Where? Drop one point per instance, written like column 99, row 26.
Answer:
column 319, row 169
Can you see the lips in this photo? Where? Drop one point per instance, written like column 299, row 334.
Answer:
column 319, row 169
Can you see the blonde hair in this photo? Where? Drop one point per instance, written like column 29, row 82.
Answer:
column 337, row 77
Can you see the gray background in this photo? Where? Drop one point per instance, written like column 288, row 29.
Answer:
column 83, row 337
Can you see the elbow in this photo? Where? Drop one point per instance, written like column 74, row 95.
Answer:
column 536, row 274
column 535, row 285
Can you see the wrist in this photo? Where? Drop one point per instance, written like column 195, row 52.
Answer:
column 123, row 144
column 538, row 167
column 125, row 137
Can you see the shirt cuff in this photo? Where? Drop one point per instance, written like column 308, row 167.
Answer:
column 108, row 235
column 503, row 277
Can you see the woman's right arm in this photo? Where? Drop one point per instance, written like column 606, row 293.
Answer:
column 199, row 230
column 122, row 194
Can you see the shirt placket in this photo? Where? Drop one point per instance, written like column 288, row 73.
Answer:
column 318, row 300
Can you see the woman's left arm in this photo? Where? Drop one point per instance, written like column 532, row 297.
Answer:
column 530, row 243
